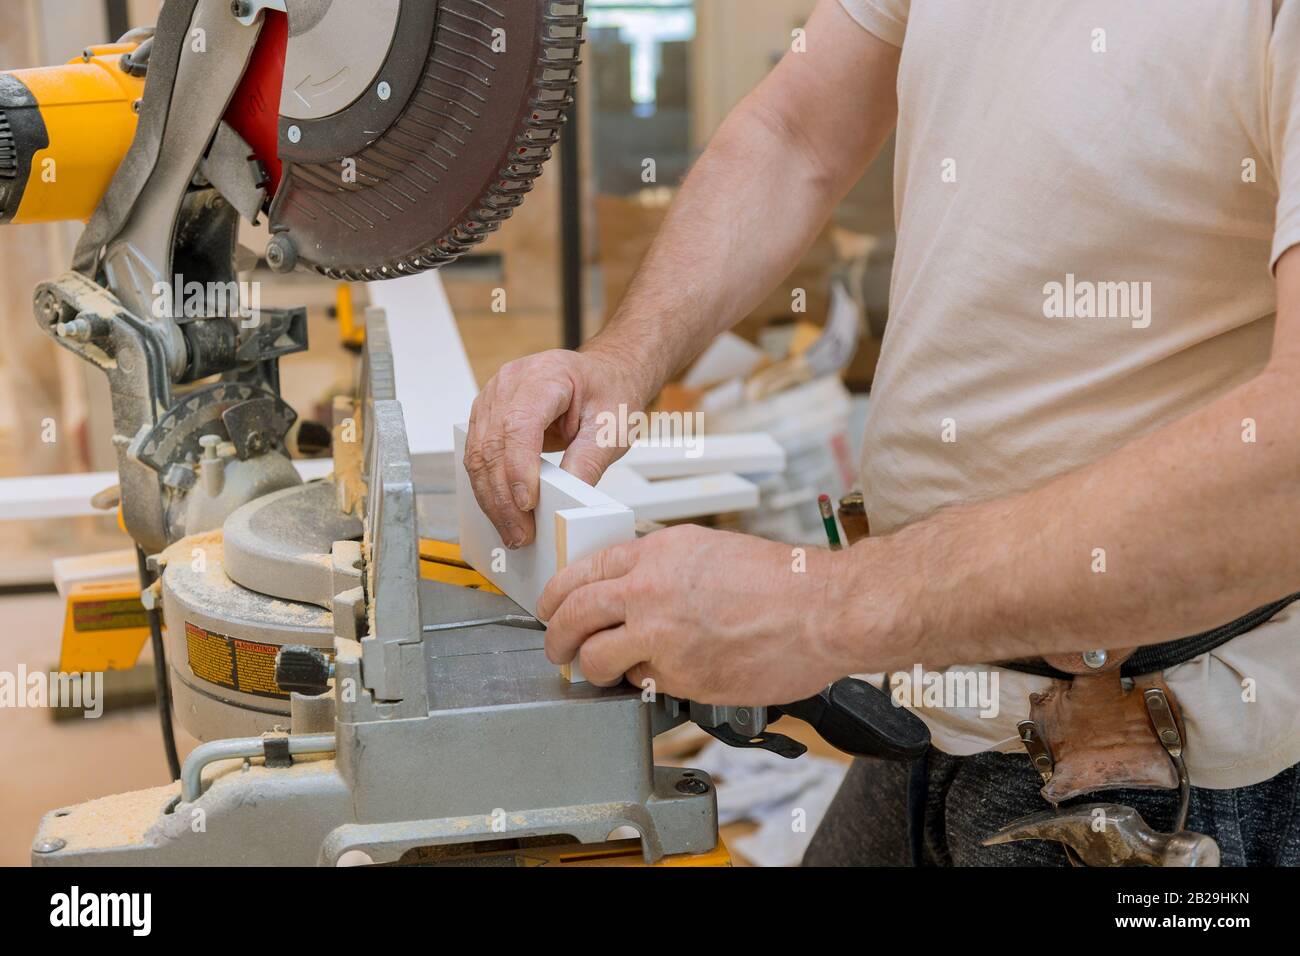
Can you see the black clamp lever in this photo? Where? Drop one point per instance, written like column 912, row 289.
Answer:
column 850, row 715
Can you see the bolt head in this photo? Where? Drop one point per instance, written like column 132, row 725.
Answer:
column 384, row 90
column 294, row 134
column 49, row 306
column 1095, row 659
column 281, row 255
column 50, row 846
column 692, row 785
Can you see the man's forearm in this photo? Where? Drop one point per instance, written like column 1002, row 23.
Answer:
column 746, row 214
column 1179, row 531
column 758, row 196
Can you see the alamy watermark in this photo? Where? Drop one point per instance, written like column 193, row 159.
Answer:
column 623, row 428
column 133, row 911
column 179, row 299
column 1082, row 299
column 61, row 690
column 918, row 688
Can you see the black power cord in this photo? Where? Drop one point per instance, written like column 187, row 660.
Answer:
column 162, row 686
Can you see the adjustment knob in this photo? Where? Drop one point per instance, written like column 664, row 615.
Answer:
column 303, row 669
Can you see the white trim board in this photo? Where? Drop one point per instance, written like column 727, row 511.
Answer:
column 430, row 369
column 669, row 483
column 573, row 519
column 43, row 497
column 672, row 499
column 745, row 453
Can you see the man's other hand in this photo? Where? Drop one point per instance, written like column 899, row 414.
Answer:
column 545, row 402
column 707, row 615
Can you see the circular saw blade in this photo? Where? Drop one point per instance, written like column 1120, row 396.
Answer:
column 440, row 148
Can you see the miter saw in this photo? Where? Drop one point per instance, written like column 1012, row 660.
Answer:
column 351, row 705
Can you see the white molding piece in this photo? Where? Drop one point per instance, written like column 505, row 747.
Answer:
column 580, row 532
column 430, row 369
column 44, row 497
column 89, row 568
column 673, row 499
column 669, row 483
column 745, row 453
column 728, row 357
column 573, row 519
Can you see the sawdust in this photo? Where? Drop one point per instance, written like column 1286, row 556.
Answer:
column 122, row 819
column 235, row 602
column 125, row 819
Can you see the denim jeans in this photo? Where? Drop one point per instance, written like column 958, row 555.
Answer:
column 961, row 800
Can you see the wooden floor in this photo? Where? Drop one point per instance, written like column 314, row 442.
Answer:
column 49, row 764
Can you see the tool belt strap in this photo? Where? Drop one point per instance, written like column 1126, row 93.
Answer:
column 1155, row 658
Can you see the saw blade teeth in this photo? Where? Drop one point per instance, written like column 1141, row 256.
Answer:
column 420, row 172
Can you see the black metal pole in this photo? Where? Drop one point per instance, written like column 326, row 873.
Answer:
column 571, row 230
column 119, row 19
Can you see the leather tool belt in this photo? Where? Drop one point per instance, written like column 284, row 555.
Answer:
column 1096, row 733
column 1108, row 721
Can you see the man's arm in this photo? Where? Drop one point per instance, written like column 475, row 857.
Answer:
column 1197, row 526
column 760, row 193
column 749, row 210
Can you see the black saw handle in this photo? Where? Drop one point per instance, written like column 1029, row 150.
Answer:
column 859, row 719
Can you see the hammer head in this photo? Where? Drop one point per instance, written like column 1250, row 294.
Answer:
column 1110, row 834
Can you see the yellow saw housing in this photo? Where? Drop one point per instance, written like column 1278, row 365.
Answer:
column 64, row 131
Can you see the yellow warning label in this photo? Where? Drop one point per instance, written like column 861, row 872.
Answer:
column 255, row 668
column 110, row 615
column 232, row 662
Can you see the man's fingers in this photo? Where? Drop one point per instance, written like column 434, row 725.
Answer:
column 588, row 610
column 508, row 425
column 605, row 657
column 643, row 676
column 524, row 419
column 488, row 481
column 602, row 566
column 483, row 464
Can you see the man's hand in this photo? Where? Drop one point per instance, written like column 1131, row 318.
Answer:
column 707, row 615
column 546, row 402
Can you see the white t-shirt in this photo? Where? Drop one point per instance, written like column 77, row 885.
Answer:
column 1090, row 198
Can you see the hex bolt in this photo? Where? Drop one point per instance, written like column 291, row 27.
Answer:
column 281, row 254
column 1095, row 659
column 384, row 90
column 692, row 785
column 50, row 846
